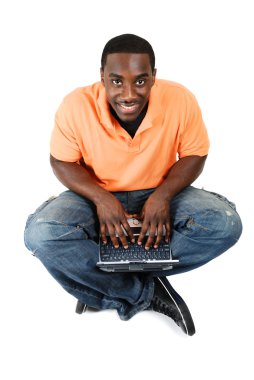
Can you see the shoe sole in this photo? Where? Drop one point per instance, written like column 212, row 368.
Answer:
column 188, row 324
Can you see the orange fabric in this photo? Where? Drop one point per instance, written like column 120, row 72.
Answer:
column 172, row 128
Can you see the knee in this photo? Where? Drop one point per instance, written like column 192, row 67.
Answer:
column 229, row 220
column 36, row 235
column 220, row 227
column 42, row 235
column 226, row 227
column 233, row 226
column 221, row 216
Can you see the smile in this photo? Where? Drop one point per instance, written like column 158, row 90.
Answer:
column 128, row 108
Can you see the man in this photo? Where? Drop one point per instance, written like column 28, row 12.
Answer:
column 129, row 146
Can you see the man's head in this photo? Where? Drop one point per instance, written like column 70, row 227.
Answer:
column 128, row 74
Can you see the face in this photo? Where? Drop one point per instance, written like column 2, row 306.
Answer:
column 128, row 79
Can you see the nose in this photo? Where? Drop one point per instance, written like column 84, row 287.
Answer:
column 128, row 93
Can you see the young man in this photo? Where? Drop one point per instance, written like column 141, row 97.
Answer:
column 129, row 146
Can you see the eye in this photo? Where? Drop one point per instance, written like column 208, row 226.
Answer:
column 117, row 82
column 140, row 82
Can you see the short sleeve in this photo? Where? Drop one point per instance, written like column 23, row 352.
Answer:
column 64, row 144
column 193, row 138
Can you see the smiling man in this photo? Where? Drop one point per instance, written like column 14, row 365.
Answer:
column 129, row 146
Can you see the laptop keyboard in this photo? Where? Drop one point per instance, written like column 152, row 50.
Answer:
column 134, row 252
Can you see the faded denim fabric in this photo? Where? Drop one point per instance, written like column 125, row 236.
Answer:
column 63, row 234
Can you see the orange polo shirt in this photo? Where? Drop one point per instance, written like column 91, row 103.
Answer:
column 172, row 128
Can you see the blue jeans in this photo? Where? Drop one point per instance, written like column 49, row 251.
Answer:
column 63, row 234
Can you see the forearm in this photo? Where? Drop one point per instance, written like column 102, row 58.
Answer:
column 182, row 174
column 76, row 178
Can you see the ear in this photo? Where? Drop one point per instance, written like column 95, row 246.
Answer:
column 102, row 75
column 154, row 75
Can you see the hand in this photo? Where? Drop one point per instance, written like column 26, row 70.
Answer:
column 155, row 214
column 112, row 216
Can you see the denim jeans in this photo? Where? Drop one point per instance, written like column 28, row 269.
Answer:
column 64, row 231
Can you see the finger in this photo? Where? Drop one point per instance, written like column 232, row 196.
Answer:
column 159, row 235
column 121, row 236
column 112, row 234
column 103, row 233
column 128, row 230
column 142, row 215
column 143, row 232
column 136, row 216
column 167, row 235
column 151, row 236
column 128, row 216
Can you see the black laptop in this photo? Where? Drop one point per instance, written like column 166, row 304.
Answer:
column 135, row 258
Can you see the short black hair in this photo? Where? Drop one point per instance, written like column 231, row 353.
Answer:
column 128, row 43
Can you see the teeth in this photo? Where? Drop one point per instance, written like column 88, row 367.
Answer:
column 128, row 107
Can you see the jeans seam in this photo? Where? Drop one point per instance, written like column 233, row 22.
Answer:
column 83, row 291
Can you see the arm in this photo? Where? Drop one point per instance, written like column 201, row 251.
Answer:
column 182, row 174
column 110, row 211
column 76, row 178
column 155, row 212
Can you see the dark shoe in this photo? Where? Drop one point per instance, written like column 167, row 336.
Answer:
column 80, row 307
column 167, row 301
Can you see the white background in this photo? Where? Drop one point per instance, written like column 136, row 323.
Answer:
column 48, row 48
